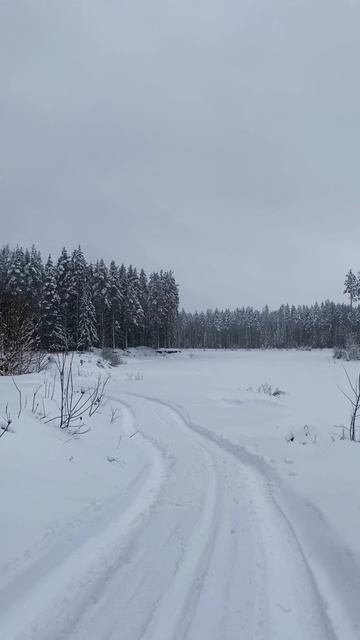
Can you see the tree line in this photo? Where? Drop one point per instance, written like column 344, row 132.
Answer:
column 72, row 304
column 318, row 326
column 324, row 325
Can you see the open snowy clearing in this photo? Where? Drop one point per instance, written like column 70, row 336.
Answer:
column 206, row 509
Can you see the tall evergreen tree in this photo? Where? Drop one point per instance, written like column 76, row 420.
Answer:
column 15, row 277
column 77, row 286
column 51, row 327
column 351, row 286
column 87, row 322
column 101, row 299
column 134, row 310
column 115, row 305
column 155, row 309
column 63, row 285
column 144, row 302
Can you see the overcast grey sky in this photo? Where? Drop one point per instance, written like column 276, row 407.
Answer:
column 219, row 138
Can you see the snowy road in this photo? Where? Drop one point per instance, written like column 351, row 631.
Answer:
column 197, row 549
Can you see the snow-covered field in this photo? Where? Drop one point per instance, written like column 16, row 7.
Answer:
column 205, row 509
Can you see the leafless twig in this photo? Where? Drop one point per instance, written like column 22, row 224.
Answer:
column 7, row 420
column 354, row 401
column 20, row 398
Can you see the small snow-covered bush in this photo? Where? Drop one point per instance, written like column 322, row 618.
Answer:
column 112, row 356
column 134, row 376
column 269, row 390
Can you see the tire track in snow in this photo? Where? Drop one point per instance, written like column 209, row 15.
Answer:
column 296, row 608
column 200, row 560
column 113, row 585
column 184, row 612
column 171, row 569
column 234, row 601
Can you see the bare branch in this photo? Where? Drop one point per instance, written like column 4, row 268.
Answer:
column 20, row 398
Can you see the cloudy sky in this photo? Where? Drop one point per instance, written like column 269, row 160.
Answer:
column 219, row 138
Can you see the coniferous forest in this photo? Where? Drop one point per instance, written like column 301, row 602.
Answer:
column 69, row 303
column 322, row 325
column 317, row 326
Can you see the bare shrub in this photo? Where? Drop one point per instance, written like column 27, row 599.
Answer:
column 5, row 421
column 114, row 415
column 353, row 396
column 19, row 340
column 74, row 404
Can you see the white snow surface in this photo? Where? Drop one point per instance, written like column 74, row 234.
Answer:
column 207, row 510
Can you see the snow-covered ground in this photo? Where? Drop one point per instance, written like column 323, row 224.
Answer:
column 197, row 507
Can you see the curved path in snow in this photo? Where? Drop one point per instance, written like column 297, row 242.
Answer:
column 197, row 550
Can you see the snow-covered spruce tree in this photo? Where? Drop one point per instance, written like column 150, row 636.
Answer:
column 123, row 315
column 101, row 299
column 163, row 301
column 87, row 322
column 155, row 309
column 170, row 296
column 51, row 327
column 15, row 277
column 134, row 319
column 144, row 301
column 116, row 299
column 63, row 281
column 78, row 283
column 34, row 279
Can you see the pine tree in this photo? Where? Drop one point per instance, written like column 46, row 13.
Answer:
column 351, row 286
